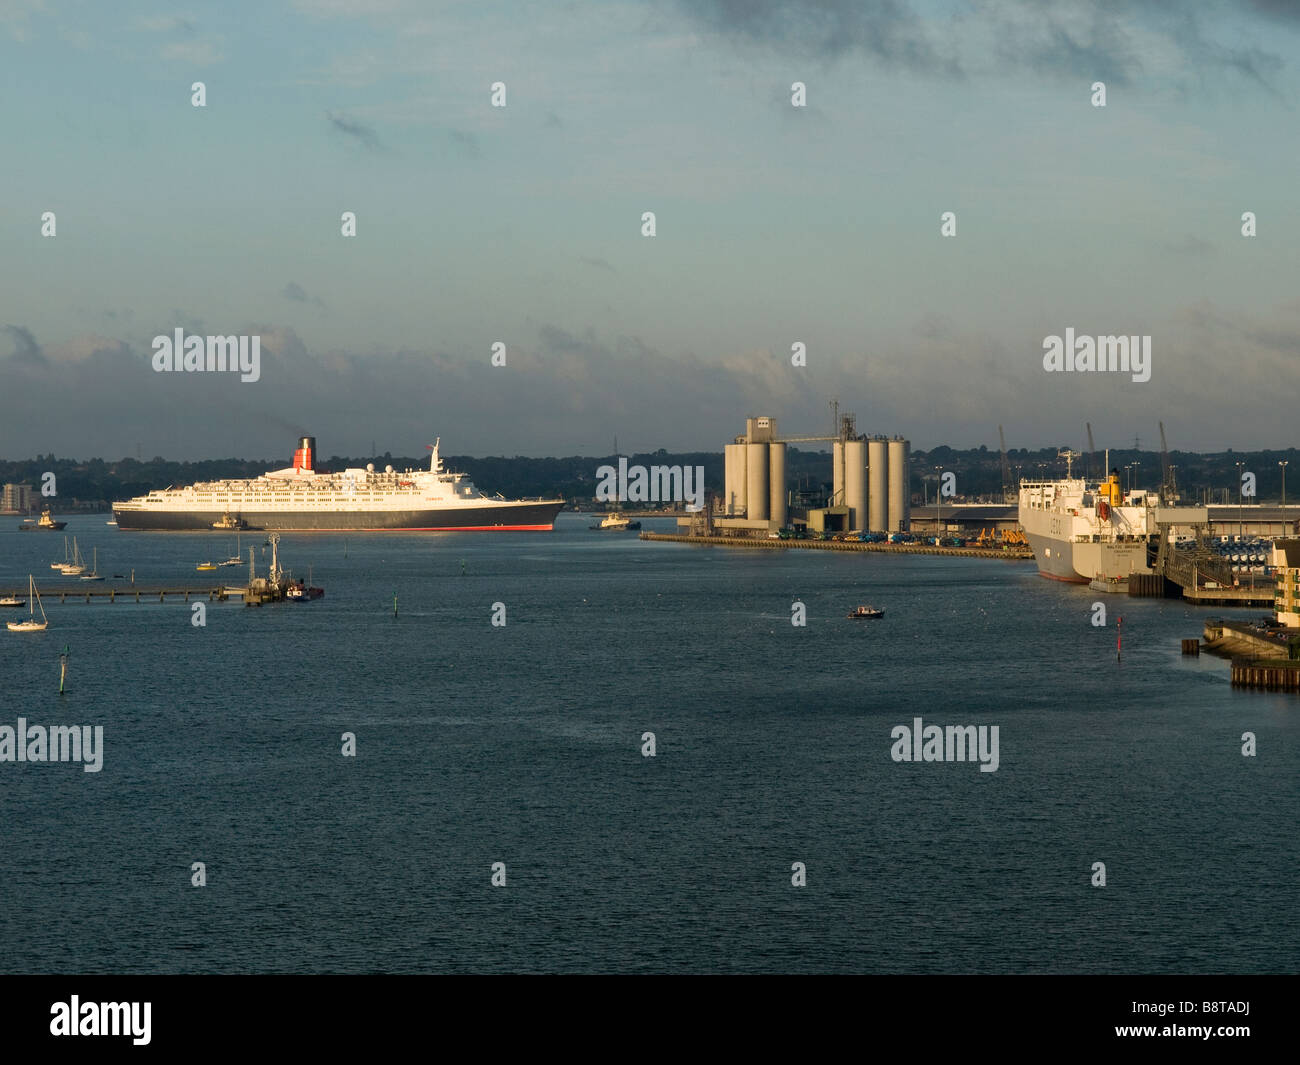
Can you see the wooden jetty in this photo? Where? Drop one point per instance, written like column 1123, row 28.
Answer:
column 138, row 593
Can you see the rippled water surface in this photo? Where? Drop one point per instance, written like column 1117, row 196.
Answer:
column 479, row 744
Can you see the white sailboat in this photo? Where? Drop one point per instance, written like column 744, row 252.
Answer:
column 234, row 560
column 67, row 557
column 31, row 625
column 93, row 575
column 77, row 566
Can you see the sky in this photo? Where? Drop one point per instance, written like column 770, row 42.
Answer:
column 522, row 224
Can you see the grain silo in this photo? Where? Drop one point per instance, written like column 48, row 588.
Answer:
column 877, row 484
column 855, row 483
column 756, row 481
column 837, row 472
column 899, row 482
column 777, row 511
column 736, row 485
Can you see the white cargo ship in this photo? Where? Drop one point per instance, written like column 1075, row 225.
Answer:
column 301, row 498
column 1083, row 532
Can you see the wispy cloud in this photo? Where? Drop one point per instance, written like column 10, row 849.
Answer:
column 357, row 131
column 1116, row 41
column 295, row 293
column 166, row 24
column 1191, row 244
column 26, row 350
column 466, row 142
column 202, row 52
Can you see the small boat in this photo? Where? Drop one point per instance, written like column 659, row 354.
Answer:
column 94, row 574
column 110, row 523
column 12, row 600
column 616, row 523
column 46, row 522
column 31, row 624
column 227, row 522
column 204, row 567
column 866, row 612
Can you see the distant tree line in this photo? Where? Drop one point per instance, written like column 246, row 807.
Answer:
column 978, row 471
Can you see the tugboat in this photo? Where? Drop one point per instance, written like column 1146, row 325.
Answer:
column 298, row 592
column 616, row 523
column 866, row 612
column 227, row 522
column 46, row 522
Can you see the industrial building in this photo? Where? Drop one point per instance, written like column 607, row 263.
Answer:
column 870, row 483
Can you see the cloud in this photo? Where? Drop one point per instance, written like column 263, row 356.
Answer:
column 199, row 52
column 26, row 351
column 466, row 142
column 552, row 121
column 1190, row 244
column 14, row 16
column 1116, row 41
column 358, row 131
column 297, row 294
column 599, row 264
column 569, row 390
column 888, row 31
column 166, row 24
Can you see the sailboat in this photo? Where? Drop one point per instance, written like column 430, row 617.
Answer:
column 93, row 575
column 77, row 566
column 234, row 560
column 31, row 625
column 67, row 557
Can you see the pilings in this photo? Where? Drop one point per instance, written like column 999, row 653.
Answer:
column 1269, row 675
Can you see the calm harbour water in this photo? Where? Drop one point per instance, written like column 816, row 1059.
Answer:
column 522, row 745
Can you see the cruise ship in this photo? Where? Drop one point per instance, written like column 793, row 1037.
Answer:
column 302, row 498
column 1085, row 532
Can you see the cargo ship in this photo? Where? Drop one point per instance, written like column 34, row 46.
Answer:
column 301, row 498
column 1082, row 532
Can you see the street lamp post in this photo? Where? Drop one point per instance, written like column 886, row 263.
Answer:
column 1283, row 465
column 938, row 502
column 1241, row 506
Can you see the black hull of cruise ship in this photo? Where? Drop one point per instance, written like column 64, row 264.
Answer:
column 508, row 517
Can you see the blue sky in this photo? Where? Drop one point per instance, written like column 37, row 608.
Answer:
column 522, row 224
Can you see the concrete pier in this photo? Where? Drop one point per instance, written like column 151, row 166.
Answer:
column 1010, row 553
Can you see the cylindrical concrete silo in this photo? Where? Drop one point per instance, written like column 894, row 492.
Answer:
column 777, row 510
column 756, row 481
column 837, row 472
column 877, row 485
column 899, row 496
column 736, row 486
column 855, row 483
